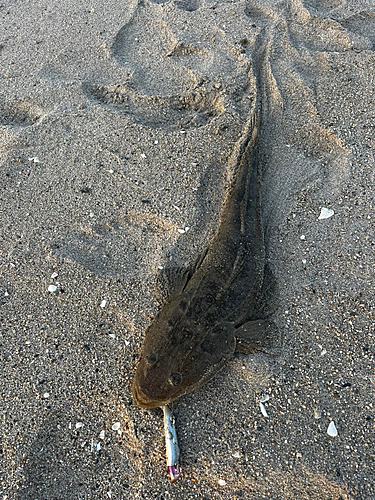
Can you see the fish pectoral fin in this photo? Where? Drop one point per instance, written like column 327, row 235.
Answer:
column 175, row 279
column 259, row 335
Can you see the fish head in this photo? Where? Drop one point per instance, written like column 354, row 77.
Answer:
column 178, row 355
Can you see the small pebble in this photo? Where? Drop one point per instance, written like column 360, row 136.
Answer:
column 102, row 434
column 46, row 395
column 116, row 426
column 317, row 413
column 302, row 237
column 222, row 482
column 103, row 303
column 79, row 425
column 54, row 275
column 52, row 288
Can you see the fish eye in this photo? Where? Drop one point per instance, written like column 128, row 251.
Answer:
column 151, row 359
column 175, row 379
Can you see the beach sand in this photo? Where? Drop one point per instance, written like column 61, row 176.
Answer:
column 118, row 126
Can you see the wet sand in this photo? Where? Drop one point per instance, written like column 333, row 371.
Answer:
column 118, row 127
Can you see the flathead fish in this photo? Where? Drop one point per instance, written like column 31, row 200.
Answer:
column 210, row 312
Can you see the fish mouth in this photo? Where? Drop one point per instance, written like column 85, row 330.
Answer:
column 143, row 401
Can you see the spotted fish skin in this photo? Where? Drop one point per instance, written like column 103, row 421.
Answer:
column 194, row 333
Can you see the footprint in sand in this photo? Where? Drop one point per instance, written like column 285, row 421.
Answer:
column 108, row 249
column 188, row 5
column 363, row 25
column 103, row 249
column 19, row 113
column 177, row 74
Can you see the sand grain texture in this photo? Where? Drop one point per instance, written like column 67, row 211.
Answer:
column 118, row 127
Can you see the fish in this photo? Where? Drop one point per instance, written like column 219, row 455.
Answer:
column 209, row 315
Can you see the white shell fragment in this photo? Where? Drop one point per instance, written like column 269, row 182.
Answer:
column 325, row 213
column 332, row 431
column 181, row 231
column 263, row 410
column 116, row 426
column 265, row 398
column 102, row 434
column 54, row 275
column 302, row 237
column 35, row 159
column 79, row 425
column 103, row 303
column 46, row 395
column 222, row 482
column 52, row 288
column 98, row 447
column 236, row 455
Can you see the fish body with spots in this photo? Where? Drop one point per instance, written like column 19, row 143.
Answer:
column 209, row 314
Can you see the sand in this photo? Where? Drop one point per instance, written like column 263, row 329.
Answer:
column 118, row 123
